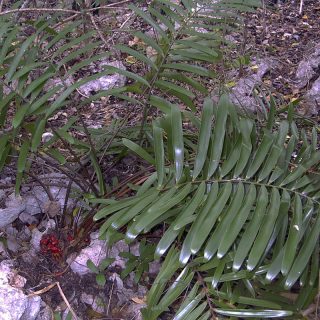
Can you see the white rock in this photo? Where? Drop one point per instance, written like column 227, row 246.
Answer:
column 135, row 249
column 52, row 208
column 11, row 231
column 105, row 82
column 86, row 298
column 35, row 240
column 14, row 206
column 94, row 236
column 312, row 99
column 96, row 252
column 124, row 294
column 12, row 237
column 14, row 304
column 57, row 82
column 242, row 93
column 47, row 136
column 35, row 201
column 118, row 283
column 28, row 218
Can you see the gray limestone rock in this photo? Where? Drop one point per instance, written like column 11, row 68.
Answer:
column 14, row 304
column 96, row 252
column 105, row 82
column 312, row 99
column 242, row 94
column 96, row 302
column 308, row 68
column 14, row 206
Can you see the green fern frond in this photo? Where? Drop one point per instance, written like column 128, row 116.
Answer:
column 186, row 40
column 28, row 64
column 243, row 205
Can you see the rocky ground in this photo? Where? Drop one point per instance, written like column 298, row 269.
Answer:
column 286, row 45
column 38, row 278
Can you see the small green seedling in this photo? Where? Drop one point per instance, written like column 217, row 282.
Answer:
column 138, row 264
column 57, row 316
column 99, row 270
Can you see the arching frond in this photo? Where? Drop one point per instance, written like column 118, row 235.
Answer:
column 243, row 206
column 185, row 40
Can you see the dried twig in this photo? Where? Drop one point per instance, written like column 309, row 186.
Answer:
column 98, row 29
column 38, row 10
column 41, row 291
column 67, row 172
column 110, row 295
column 56, row 10
column 108, row 6
column 24, row 5
column 45, row 188
column 205, row 288
column 301, row 7
column 66, row 20
column 77, row 159
column 66, row 301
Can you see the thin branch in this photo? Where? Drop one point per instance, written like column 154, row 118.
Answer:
column 205, row 288
column 22, row 10
column 66, row 20
column 24, row 5
column 41, row 291
column 98, row 29
column 110, row 296
column 66, row 301
column 108, row 6
column 81, row 166
column 92, row 147
column 66, row 172
column 38, row 10
column 46, row 189
column 301, row 7
column 107, row 145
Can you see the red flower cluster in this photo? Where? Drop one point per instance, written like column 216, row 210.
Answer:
column 50, row 244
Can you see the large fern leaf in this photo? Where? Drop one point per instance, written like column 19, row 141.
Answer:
column 244, row 205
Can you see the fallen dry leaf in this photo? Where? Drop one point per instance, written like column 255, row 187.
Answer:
column 139, row 300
